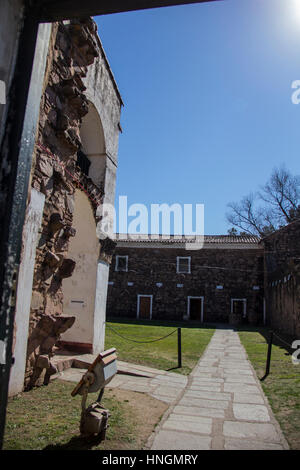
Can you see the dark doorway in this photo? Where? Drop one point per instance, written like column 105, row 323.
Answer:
column 239, row 307
column 195, row 308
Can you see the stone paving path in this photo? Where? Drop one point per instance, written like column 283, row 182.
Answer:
column 160, row 384
column 222, row 407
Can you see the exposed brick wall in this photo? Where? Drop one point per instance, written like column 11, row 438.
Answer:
column 241, row 270
column 282, row 280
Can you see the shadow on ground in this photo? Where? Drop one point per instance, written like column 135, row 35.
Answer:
column 76, row 443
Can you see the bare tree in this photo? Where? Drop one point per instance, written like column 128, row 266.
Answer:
column 281, row 205
column 282, row 194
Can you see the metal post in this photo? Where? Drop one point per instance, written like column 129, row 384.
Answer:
column 179, row 347
column 269, row 354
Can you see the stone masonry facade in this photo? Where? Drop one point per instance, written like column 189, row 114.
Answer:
column 282, row 278
column 227, row 273
column 74, row 48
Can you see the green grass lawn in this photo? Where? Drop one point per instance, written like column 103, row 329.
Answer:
column 282, row 385
column 47, row 418
column 160, row 354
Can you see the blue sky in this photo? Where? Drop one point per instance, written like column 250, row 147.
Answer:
column 207, row 93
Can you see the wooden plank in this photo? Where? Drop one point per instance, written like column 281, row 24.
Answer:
column 107, row 352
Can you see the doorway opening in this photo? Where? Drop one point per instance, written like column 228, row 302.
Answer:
column 144, row 307
column 195, row 308
column 239, row 307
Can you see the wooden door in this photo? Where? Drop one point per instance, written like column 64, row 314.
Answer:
column 145, row 307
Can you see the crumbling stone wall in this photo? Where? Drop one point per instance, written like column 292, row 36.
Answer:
column 239, row 271
column 282, row 279
column 74, row 47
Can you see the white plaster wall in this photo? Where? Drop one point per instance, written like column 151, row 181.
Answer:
column 97, row 170
column 101, row 91
column 79, row 289
column 24, row 289
column 110, row 182
column 103, row 167
column 91, row 132
column 100, row 307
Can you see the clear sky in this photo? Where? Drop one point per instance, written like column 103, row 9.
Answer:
column 207, row 93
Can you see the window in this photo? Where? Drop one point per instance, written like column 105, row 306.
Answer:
column 121, row 263
column 183, row 264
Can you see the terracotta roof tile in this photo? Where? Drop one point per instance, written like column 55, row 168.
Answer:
column 213, row 239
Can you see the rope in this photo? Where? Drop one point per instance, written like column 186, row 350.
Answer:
column 282, row 340
column 135, row 341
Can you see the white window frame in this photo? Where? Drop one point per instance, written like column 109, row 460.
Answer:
column 244, row 307
column 138, row 304
column 178, row 264
column 189, row 306
column 117, row 263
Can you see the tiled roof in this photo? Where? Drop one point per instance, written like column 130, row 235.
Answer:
column 165, row 239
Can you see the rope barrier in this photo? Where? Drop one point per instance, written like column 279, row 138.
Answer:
column 136, row 341
column 282, row 340
column 270, row 342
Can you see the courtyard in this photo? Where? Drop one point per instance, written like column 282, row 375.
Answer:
column 220, row 401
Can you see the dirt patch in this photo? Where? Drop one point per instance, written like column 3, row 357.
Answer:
column 143, row 412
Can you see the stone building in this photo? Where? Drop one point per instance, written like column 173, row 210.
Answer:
column 282, row 278
column 63, row 275
column 159, row 278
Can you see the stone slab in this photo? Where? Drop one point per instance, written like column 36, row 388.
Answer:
column 242, row 388
column 248, row 398
column 232, row 371
column 172, row 440
column 208, row 395
column 179, row 379
column 259, row 431
column 246, row 379
column 206, row 387
column 167, row 390
column 245, row 444
column 163, row 398
column 197, row 411
column 203, row 380
column 186, row 423
column 243, row 411
column 189, row 401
